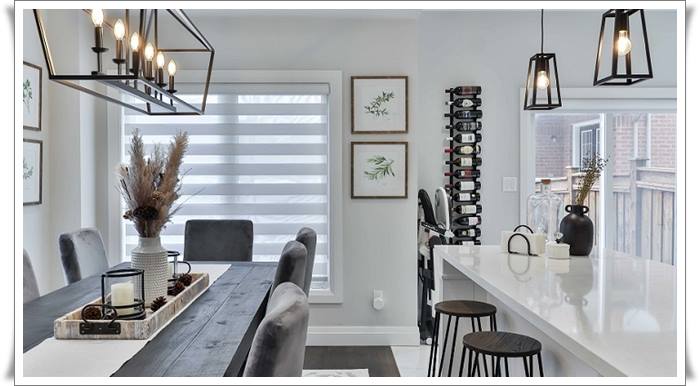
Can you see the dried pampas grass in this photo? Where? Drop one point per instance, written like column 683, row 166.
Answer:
column 150, row 185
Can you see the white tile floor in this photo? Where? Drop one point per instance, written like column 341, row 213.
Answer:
column 412, row 361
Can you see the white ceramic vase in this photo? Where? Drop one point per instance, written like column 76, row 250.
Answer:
column 150, row 256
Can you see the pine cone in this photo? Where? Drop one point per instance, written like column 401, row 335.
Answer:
column 158, row 303
column 185, row 279
column 93, row 313
column 176, row 289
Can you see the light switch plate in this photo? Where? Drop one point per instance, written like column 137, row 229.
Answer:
column 510, row 184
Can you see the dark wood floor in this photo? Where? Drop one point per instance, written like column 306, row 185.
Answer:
column 378, row 359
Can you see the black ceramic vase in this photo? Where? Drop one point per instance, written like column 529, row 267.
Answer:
column 577, row 230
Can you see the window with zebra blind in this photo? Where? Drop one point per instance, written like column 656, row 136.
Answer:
column 259, row 153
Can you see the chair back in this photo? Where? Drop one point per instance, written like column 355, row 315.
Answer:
column 218, row 240
column 280, row 339
column 29, row 283
column 291, row 266
column 307, row 236
column 82, row 254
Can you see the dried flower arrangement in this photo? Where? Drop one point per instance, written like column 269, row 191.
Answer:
column 592, row 168
column 150, row 185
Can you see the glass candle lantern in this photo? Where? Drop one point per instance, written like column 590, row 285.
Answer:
column 123, row 290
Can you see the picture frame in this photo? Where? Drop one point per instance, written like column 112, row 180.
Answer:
column 31, row 96
column 32, row 171
column 379, row 104
column 377, row 170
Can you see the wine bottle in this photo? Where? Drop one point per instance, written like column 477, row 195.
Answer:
column 468, row 220
column 465, row 138
column 465, row 114
column 465, row 162
column 465, row 185
column 465, row 150
column 467, row 232
column 467, row 209
column 465, row 126
column 465, row 102
column 464, row 90
column 466, row 197
column 465, row 173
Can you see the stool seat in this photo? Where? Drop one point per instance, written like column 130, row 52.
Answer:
column 465, row 308
column 502, row 344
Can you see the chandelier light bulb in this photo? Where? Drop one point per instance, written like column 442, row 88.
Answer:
column 119, row 30
column 148, row 52
column 160, row 60
column 97, row 17
column 623, row 44
column 135, row 41
column 542, row 80
column 172, row 68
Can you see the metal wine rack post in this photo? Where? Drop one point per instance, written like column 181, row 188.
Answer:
column 476, row 240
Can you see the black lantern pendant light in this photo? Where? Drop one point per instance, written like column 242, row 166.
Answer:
column 622, row 47
column 542, row 85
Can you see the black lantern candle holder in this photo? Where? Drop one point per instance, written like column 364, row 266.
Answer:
column 123, row 291
column 175, row 262
column 622, row 44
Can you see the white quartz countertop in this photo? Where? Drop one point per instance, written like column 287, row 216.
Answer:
column 614, row 311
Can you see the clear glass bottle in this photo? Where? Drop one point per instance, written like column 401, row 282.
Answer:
column 545, row 210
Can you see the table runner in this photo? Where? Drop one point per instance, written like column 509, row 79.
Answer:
column 95, row 358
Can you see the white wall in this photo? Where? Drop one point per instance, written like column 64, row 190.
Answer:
column 71, row 127
column 492, row 49
column 378, row 235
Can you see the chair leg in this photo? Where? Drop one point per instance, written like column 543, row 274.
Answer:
column 461, row 362
column 486, row 366
column 444, row 345
column 433, row 360
column 532, row 372
column 454, row 347
column 539, row 364
column 475, row 369
column 473, row 328
column 497, row 369
column 505, row 363
column 470, row 373
column 495, row 326
column 527, row 373
column 478, row 320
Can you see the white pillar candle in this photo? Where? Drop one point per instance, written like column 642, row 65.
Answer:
column 123, row 294
column 557, row 250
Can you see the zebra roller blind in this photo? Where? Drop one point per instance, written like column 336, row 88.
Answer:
column 260, row 153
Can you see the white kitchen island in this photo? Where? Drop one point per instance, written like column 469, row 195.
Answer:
column 609, row 314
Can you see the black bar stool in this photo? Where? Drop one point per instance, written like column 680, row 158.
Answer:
column 500, row 345
column 459, row 309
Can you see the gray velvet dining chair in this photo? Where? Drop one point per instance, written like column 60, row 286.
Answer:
column 218, row 240
column 291, row 266
column 30, row 286
column 280, row 339
column 307, row 236
column 82, row 254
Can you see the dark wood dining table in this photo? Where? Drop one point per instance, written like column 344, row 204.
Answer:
column 210, row 338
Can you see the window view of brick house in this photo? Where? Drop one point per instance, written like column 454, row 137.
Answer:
column 642, row 164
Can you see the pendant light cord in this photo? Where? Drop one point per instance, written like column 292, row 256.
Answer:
column 541, row 31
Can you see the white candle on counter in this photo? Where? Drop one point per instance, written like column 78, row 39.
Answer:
column 557, row 250
column 123, row 294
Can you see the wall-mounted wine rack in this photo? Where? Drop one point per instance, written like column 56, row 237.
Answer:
column 464, row 160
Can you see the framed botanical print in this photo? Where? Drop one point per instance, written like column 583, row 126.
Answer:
column 379, row 104
column 379, row 170
column 32, row 157
column 31, row 97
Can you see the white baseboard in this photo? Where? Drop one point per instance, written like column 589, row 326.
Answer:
column 363, row 336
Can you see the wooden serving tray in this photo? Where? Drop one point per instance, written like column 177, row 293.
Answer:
column 68, row 326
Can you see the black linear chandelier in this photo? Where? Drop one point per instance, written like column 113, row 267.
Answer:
column 133, row 80
column 622, row 48
column 542, row 78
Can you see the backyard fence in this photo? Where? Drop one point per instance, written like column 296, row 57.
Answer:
column 644, row 208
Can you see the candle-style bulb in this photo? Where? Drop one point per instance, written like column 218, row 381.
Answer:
column 160, row 60
column 135, row 41
column 119, row 30
column 148, row 52
column 97, row 17
column 171, row 68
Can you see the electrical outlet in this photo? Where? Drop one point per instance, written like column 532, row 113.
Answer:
column 510, row 184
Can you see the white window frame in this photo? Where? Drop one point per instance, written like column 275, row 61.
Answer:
column 576, row 139
column 334, row 79
column 593, row 100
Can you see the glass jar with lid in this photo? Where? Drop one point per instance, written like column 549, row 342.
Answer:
column 545, row 210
